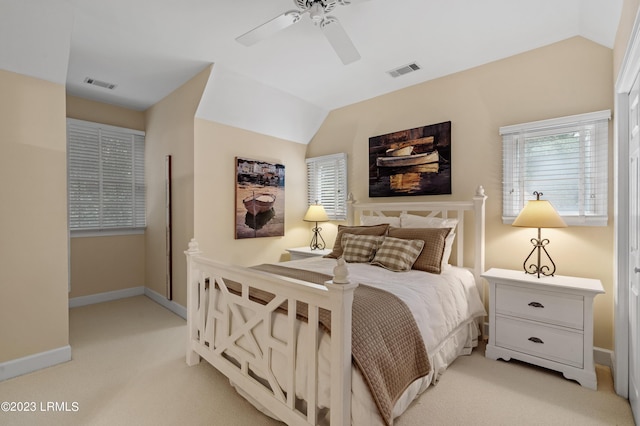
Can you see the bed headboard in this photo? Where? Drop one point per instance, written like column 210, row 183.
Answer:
column 444, row 210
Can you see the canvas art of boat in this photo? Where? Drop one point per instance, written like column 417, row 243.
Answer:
column 259, row 203
column 408, row 160
column 259, row 220
column 399, row 152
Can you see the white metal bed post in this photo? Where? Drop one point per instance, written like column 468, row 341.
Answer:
column 192, row 300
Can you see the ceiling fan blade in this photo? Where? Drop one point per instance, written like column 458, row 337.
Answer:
column 269, row 28
column 339, row 40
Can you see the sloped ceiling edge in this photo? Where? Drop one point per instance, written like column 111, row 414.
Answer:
column 235, row 100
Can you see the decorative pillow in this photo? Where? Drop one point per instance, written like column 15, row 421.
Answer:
column 430, row 260
column 415, row 221
column 358, row 230
column 397, row 254
column 377, row 220
column 360, row 248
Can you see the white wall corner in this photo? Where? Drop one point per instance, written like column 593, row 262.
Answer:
column 18, row 367
column 174, row 307
column 106, row 296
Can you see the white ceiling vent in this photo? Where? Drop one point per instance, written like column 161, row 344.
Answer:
column 405, row 69
column 99, row 83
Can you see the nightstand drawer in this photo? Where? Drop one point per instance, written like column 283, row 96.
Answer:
column 545, row 306
column 555, row 344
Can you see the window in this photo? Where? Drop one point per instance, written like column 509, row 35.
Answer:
column 105, row 184
column 327, row 184
column 565, row 159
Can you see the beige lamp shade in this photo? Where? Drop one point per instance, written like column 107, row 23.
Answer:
column 316, row 213
column 539, row 214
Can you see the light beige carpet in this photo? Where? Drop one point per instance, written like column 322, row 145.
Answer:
column 128, row 369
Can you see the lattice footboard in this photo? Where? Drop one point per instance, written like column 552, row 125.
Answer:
column 237, row 335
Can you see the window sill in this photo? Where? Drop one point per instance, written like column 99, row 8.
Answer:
column 105, row 232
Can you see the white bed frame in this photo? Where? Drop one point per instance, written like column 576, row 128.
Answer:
column 247, row 314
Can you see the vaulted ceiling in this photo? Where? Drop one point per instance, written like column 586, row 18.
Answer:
column 287, row 83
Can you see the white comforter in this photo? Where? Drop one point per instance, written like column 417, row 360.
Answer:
column 444, row 307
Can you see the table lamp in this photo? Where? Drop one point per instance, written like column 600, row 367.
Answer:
column 539, row 214
column 316, row 213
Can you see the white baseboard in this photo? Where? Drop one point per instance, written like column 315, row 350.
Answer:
column 30, row 363
column 18, row 367
column 174, row 307
column 603, row 357
column 106, row 297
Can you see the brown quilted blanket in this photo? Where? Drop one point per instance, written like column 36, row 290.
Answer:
column 387, row 346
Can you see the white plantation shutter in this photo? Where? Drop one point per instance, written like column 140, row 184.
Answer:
column 565, row 159
column 327, row 184
column 106, row 187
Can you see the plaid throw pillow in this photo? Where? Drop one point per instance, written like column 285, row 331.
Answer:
column 397, row 254
column 360, row 230
column 359, row 248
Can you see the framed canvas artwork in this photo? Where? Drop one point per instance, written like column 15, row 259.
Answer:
column 259, row 199
column 411, row 162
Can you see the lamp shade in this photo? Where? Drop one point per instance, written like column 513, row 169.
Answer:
column 539, row 214
column 316, row 213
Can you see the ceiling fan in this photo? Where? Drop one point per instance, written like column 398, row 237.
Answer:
column 317, row 10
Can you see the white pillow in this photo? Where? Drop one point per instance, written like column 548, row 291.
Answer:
column 415, row 221
column 379, row 220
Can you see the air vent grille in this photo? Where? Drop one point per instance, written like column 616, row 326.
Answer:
column 99, row 83
column 405, row 69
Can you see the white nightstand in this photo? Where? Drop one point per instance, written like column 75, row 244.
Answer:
column 545, row 321
column 304, row 252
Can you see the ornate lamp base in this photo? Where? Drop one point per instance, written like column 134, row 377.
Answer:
column 537, row 268
column 317, row 242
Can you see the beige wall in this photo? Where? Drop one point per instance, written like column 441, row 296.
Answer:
column 33, row 217
column 216, row 147
column 570, row 77
column 98, row 112
column 103, row 264
column 170, row 131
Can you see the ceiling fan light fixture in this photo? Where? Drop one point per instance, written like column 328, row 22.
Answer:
column 316, row 13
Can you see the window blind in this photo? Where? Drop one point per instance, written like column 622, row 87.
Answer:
column 327, row 184
column 106, row 187
column 565, row 159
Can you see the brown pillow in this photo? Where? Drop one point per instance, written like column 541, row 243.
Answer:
column 358, row 230
column 430, row 259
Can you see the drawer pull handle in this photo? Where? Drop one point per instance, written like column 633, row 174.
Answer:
column 535, row 340
column 536, row 305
